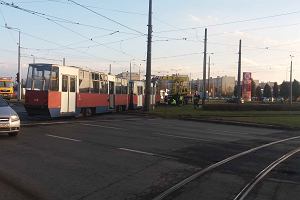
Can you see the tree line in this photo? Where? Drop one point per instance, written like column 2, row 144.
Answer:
column 282, row 90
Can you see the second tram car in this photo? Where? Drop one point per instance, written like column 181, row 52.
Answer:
column 71, row 91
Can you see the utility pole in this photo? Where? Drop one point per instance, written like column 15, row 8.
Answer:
column 239, row 89
column 109, row 69
column 291, row 81
column 204, row 68
column 64, row 61
column 148, row 67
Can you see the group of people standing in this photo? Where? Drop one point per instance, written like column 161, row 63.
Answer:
column 179, row 100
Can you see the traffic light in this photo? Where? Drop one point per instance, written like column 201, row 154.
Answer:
column 17, row 78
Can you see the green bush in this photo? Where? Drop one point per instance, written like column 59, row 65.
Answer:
column 251, row 107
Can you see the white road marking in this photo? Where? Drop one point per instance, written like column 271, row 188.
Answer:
column 63, row 138
column 109, row 127
column 137, row 151
column 146, row 153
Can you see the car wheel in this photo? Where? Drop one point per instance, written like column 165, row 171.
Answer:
column 13, row 134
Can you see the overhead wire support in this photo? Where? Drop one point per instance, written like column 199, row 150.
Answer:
column 149, row 61
column 103, row 16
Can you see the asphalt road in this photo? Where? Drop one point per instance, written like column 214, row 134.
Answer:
column 134, row 158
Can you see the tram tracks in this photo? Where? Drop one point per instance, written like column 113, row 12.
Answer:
column 246, row 189
column 259, row 177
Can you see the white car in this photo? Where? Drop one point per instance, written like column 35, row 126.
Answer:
column 9, row 119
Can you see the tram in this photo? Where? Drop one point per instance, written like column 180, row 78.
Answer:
column 72, row 91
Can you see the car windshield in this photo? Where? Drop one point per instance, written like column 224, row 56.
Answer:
column 6, row 84
column 3, row 103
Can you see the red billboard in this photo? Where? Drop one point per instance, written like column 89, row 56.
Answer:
column 246, row 92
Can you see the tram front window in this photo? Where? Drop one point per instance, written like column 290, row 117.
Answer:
column 39, row 77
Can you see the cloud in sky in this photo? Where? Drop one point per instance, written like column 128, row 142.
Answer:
column 203, row 20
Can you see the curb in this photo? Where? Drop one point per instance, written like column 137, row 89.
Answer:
column 46, row 123
column 219, row 121
column 237, row 123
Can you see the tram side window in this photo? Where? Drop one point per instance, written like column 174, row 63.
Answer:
column 64, row 83
column 118, row 88
column 54, row 79
column 96, row 83
column 124, row 89
column 84, row 82
column 103, row 87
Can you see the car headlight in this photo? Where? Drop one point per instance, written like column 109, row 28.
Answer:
column 14, row 118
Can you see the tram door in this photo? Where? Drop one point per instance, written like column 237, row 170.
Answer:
column 140, row 96
column 68, row 94
column 111, row 95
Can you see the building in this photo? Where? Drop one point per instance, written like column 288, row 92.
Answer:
column 126, row 75
column 218, row 87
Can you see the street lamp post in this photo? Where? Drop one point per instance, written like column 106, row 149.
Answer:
column 208, row 80
column 33, row 59
column 130, row 69
column 291, row 81
column 130, row 87
column 19, row 62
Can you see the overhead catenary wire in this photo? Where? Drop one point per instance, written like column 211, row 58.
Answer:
column 71, row 30
column 59, row 45
column 231, row 22
column 4, row 19
column 103, row 16
column 90, row 6
column 62, row 20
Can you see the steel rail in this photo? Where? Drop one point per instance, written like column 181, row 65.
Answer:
column 249, row 187
column 215, row 165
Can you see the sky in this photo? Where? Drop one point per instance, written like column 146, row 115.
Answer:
column 97, row 33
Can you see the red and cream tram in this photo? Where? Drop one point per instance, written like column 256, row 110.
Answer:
column 70, row 91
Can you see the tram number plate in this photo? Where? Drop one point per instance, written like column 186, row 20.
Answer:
column 4, row 125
